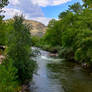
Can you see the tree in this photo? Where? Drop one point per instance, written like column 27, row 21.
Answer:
column 87, row 3
column 83, row 52
column 3, row 3
column 76, row 8
column 63, row 14
column 53, row 36
column 2, row 33
column 19, row 49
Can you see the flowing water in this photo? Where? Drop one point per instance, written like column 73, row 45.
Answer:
column 57, row 75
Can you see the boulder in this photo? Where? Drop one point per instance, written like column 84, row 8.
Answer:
column 53, row 54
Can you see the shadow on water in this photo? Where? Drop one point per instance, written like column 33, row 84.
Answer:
column 57, row 75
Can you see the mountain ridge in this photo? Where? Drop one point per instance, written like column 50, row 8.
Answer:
column 38, row 28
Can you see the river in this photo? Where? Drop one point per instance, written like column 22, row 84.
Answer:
column 57, row 75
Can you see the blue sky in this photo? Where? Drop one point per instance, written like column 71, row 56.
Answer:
column 39, row 10
column 54, row 11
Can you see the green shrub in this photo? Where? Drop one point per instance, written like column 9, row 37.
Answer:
column 84, row 52
column 8, row 78
column 35, row 41
column 67, row 53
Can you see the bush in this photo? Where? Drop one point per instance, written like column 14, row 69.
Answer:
column 8, row 78
column 84, row 52
column 67, row 53
column 35, row 41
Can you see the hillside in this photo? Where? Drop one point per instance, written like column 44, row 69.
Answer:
column 38, row 28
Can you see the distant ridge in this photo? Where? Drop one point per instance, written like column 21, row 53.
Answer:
column 38, row 29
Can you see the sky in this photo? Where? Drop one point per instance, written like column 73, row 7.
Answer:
column 39, row 10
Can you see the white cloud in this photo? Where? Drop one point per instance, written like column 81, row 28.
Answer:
column 10, row 12
column 26, row 6
column 14, row 2
column 58, row 2
column 45, row 3
column 42, row 3
column 31, row 9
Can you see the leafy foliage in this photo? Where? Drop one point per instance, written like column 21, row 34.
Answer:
column 3, row 3
column 76, row 8
column 2, row 33
column 73, row 32
column 53, row 35
column 8, row 82
column 19, row 50
column 17, row 67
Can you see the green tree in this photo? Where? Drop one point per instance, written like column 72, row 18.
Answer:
column 83, row 52
column 3, row 3
column 73, row 33
column 8, row 78
column 2, row 33
column 63, row 14
column 53, row 36
column 19, row 49
column 76, row 8
column 87, row 3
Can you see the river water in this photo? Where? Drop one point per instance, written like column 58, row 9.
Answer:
column 57, row 75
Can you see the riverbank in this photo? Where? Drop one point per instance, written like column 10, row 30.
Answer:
column 55, row 51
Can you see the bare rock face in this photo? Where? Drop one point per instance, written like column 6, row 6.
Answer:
column 38, row 29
